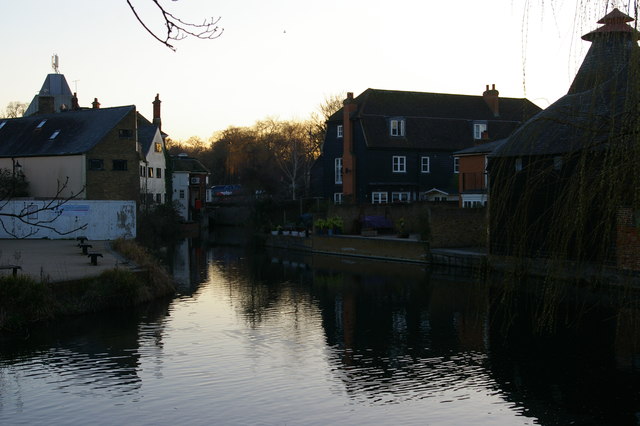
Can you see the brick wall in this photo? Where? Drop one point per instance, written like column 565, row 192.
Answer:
column 109, row 184
column 445, row 225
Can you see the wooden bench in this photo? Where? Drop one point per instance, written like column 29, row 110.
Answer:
column 12, row 267
column 85, row 248
column 94, row 258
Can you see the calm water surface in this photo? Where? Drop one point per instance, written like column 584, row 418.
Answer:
column 276, row 338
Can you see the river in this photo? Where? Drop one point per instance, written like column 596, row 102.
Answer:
column 275, row 338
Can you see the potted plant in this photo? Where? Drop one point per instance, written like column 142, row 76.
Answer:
column 337, row 224
column 320, row 225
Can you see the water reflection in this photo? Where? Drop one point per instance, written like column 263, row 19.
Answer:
column 284, row 337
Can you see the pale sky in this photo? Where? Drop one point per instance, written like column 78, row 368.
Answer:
column 282, row 58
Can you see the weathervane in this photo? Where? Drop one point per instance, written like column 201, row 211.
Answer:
column 54, row 63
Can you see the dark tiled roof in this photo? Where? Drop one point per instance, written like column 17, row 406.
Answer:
column 78, row 131
column 436, row 121
column 600, row 104
column 484, row 148
column 187, row 164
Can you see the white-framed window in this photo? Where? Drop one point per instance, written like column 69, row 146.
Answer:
column 379, row 198
column 339, row 131
column 425, row 164
column 479, row 129
column 400, row 197
column 338, row 170
column 456, row 165
column 518, row 164
column 396, row 127
column 399, row 164
column 337, row 198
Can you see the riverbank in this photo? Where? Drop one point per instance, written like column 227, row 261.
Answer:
column 44, row 279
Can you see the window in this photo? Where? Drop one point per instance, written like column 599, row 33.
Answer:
column 158, row 172
column 337, row 198
column 125, row 133
column 182, row 194
column 54, row 135
column 96, row 164
column 479, row 129
column 119, row 165
column 143, row 171
column 39, row 126
column 400, row 197
column 397, row 127
column 150, row 170
column 158, row 147
column 338, row 170
column 456, row 165
column 2, row 124
column 518, row 164
column 425, row 165
column 159, row 198
column 379, row 197
column 399, row 164
column 339, row 130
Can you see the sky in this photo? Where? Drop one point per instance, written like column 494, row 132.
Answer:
column 283, row 58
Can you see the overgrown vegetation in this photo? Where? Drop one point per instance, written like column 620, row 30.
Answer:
column 158, row 226
column 24, row 300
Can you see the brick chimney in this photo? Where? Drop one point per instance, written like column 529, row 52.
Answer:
column 492, row 99
column 46, row 104
column 95, row 104
column 74, row 102
column 156, row 111
column 348, row 158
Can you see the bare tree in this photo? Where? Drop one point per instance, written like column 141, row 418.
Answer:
column 15, row 109
column 176, row 29
column 326, row 109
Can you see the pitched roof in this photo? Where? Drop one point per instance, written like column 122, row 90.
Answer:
column 599, row 103
column 78, row 131
column 434, row 120
column 54, row 85
column 183, row 163
column 146, row 133
column 484, row 148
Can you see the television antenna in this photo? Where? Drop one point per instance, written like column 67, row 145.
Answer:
column 55, row 63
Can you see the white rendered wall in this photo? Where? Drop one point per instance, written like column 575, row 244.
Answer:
column 100, row 219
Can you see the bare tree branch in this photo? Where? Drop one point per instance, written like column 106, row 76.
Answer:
column 25, row 215
column 177, row 29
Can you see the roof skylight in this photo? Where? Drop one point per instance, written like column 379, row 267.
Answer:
column 54, row 134
column 39, row 126
column 2, row 124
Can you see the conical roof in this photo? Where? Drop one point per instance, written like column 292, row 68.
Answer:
column 598, row 102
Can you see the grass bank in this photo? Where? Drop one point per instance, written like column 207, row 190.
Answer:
column 24, row 300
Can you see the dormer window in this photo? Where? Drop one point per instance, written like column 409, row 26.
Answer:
column 39, row 126
column 339, row 133
column 478, row 130
column 54, row 135
column 396, row 127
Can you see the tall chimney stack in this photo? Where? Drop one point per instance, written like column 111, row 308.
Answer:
column 348, row 159
column 95, row 104
column 492, row 100
column 74, row 102
column 156, row 112
column 46, row 104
